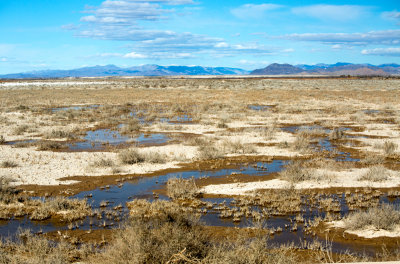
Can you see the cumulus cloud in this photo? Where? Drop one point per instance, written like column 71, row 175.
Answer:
column 382, row 51
column 252, row 11
column 332, row 12
column 384, row 37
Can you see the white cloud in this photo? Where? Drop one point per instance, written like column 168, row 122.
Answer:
column 134, row 55
column 384, row 37
column 382, row 52
column 221, row 45
column 393, row 15
column 332, row 12
column 252, row 11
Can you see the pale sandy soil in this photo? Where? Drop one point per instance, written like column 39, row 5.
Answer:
column 324, row 179
column 368, row 232
column 46, row 167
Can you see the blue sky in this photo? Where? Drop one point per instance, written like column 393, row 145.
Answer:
column 48, row 34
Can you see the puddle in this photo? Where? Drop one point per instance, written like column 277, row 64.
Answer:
column 183, row 119
column 259, row 107
column 78, row 107
column 101, row 138
column 371, row 111
column 22, row 142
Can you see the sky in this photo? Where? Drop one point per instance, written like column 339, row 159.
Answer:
column 48, row 34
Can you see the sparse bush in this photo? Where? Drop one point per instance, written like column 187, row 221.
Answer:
column 30, row 248
column 389, row 148
column 101, row 163
column 208, row 152
column 131, row 127
column 158, row 232
column 294, row 173
column 21, row 129
column 336, row 134
column 155, row 157
column 382, row 217
column 238, row 147
column 222, row 124
column 302, row 142
column 376, row 173
column 131, row 156
column 59, row 134
column 178, row 188
column 373, row 159
column 49, row 145
column 7, row 192
column 8, row 164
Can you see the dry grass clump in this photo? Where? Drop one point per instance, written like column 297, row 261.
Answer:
column 168, row 236
column 209, row 152
column 66, row 209
column 162, row 232
column 302, row 142
column 32, row 249
column 133, row 156
column 373, row 159
column 294, row 172
column 238, row 147
column 336, row 134
column 8, row 164
column 132, row 126
column 103, row 163
column 49, row 145
column 381, row 217
column 389, row 148
column 60, row 134
column 19, row 130
column 376, row 173
column 7, row 192
column 178, row 188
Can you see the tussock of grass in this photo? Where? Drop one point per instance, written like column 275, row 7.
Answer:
column 382, row 217
column 209, row 152
column 131, row 156
column 134, row 156
column 389, row 148
column 336, row 134
column 59, row 134
column 49, row 145
column 376, row 173
column 102, row 163
column 238, row 147
column 294, row 172
column 178, row 188
column 8, row 164
column 162, row 232
column 30, row 248
column 21, row 129
column 302, row 142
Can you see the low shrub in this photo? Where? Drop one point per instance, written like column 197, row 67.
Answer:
column 294, row 172
column 382, row 217
column 376, row 173
column 178, row 188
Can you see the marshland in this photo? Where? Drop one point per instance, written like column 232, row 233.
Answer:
column 200, row 170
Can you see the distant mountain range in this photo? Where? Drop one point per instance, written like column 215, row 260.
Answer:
column 112, row 70
column 337, row 69
column 340, row 68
